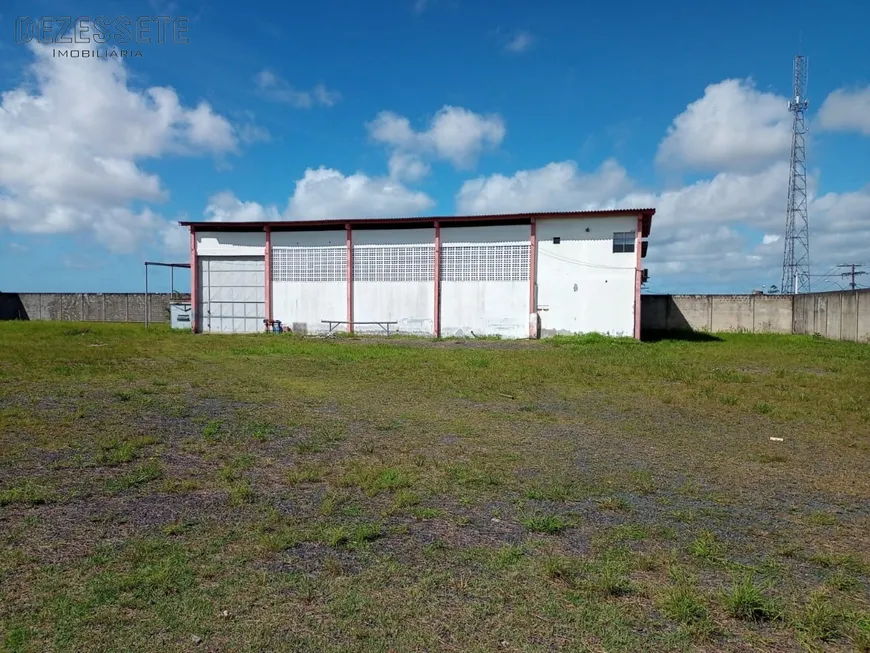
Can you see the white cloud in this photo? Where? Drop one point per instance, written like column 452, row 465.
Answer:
column 210, row 131
column 392, row 129
column 732, row 127
column 407, row 167
column 687, row 219
column 702, row 232
column 562, row 186
column 520, row 42
column 277, row 89
column 455, row 134
column 326, row 193
column 123, row 230
column 322, row 193
column 757, row 199
column 226, row 207
column 847, row 110
column 71, row 141
column 555, row 187
column 220, row 207
column 174, row 238
column 250, row 132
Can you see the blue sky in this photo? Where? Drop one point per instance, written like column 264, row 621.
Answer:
column 338, row 109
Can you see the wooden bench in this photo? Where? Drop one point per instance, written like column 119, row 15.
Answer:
column 334, row 324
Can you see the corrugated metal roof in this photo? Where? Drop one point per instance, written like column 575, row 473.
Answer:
column 301, row 225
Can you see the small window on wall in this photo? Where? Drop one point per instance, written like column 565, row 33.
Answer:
column 623, row 241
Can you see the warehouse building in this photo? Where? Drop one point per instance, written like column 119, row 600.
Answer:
column 524, row 275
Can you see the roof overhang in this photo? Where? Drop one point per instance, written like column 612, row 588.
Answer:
column 419, row 222
column 646, row 222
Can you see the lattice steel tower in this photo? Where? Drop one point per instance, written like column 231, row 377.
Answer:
column 796, row 260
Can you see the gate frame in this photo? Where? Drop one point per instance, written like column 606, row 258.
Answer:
column 172, row 292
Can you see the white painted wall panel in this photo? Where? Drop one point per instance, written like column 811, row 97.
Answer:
column 308, row 238
column 404, row 291
column 485, row 308
column 583, row 287
column 302, row 305
column 494, row 235
column 410, row 303
column 394, row 237
column 230, row 243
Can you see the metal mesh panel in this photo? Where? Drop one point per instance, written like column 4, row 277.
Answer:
column 394, row 263
column 485, row 263
column 309, row 263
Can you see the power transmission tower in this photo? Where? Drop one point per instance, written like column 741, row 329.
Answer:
column 853, row 273
column 796, row 259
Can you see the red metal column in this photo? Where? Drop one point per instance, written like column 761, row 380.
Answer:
column 638, row 244
column 349, row 278
column 533, row 278
column 268, row 260
column 194, row 278
column 437, row 318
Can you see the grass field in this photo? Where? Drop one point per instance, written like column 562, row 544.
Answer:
column 163, row 491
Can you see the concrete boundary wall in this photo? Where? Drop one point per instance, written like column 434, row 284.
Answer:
column 841, row 315
column 834, row 315
column 85, row 307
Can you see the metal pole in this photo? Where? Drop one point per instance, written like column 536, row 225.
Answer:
column 171, row 282
column 146, row 296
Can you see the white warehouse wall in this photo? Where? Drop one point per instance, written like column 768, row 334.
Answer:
column 400, row 286
column 304, row 304
column 582, row 285
column 485, row 307
column 230, row 243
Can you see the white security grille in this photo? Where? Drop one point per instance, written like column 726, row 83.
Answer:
column 394, row 263
column 309, row 263
column 485, row 263
column 402, row 263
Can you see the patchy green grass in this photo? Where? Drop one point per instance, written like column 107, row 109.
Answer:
column 685, row 605
column 820, row 619
column 27, row 493
column 306, row 473
column 355, row 535
column 281, row 493
column 615, row 504
column 373, row 479
column 550, row 524
column 746, row 599
column 144, row 473
column 706, row 546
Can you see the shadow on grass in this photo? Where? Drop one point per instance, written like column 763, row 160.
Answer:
column 684, row 335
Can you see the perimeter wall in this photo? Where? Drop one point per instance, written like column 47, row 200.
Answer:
column 85, row 307
column 841, row 315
